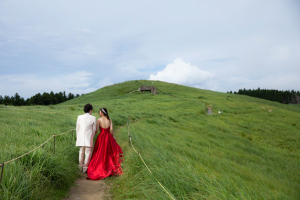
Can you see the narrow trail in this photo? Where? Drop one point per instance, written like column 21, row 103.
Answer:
column 88, row 190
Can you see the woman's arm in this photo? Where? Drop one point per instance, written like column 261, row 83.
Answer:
column 111, row 129
column 97, row 126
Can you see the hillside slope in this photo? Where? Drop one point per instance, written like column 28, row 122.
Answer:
column 251, row 150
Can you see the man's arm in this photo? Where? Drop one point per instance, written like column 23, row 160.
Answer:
column 95, row 127
column 77, row 126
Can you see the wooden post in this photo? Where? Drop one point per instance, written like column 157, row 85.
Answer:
column 54, row 144
column 2, row 166
column 128, row 128
column 128, row 132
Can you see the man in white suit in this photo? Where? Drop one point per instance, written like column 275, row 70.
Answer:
column 85, row 132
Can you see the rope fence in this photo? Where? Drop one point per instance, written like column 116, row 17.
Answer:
column 140, row 156
column 53, row 136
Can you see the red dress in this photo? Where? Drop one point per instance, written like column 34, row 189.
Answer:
column 106, row 158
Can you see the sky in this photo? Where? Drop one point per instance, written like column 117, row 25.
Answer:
column 81, row 46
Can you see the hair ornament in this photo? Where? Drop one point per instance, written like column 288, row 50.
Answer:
column 103, row 110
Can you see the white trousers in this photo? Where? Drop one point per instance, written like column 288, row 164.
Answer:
column 85, row 155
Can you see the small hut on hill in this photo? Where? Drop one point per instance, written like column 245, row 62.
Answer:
column 152, row 89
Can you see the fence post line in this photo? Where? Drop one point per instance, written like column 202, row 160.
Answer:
column 54, row 143
column 2, row 166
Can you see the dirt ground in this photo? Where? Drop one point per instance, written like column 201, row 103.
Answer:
column 88, row 190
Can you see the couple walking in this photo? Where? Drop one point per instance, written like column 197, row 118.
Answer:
column 106, row 157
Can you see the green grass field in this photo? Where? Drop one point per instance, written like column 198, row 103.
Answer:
column 251, row 150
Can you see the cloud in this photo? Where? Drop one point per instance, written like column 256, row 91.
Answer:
column 182, row 73
column 104, row 82
column 27, row 85
column 230, row 44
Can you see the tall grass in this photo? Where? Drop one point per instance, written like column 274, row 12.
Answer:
column 41, row 174
column 251, row 150
column 248, row 151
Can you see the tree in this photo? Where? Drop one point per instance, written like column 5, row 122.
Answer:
column 38, row 99
column 29, row 101
column 70, row 96
column 288, row 96
column 22, row 101
column 46, row 98
column 17, row 100
column 279, row 97
column 6, row 100
column 60, row 97
column 258, row 93
column 12, row 100
column 65, row 97
column 52, row 98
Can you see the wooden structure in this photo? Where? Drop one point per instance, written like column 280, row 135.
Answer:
column 152, row 89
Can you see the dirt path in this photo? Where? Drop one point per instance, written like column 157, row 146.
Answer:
column 88, row 189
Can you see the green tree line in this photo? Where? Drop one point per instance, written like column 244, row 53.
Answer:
column 286, row 97
column 38, row 99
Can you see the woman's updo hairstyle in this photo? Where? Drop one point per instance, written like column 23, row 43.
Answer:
column 105, row 112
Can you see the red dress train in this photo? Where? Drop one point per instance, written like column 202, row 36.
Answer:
column 106, row 158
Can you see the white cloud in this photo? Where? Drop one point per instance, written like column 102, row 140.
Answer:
column 29, row 85
column 182, row 73
column 238, row 42
column 104, row 82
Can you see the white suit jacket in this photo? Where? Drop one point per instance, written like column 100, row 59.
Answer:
column 85, row 130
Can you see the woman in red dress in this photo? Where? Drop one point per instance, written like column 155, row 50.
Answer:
column 107, row 154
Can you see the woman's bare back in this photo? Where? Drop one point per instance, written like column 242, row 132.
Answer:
column 104, row 122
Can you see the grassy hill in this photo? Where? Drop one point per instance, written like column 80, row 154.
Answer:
column 251, row 150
